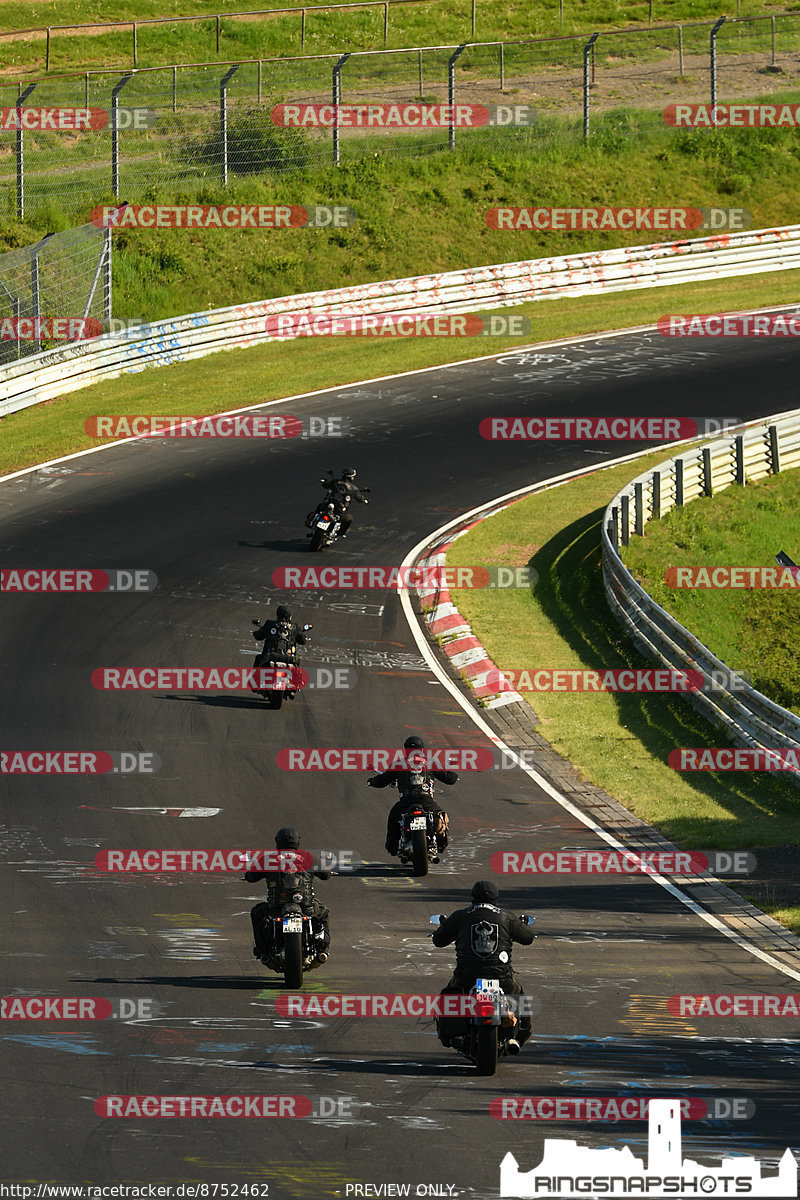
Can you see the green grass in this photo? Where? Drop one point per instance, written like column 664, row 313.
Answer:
column 752, row 630
column 409, row 25
column 617, row 742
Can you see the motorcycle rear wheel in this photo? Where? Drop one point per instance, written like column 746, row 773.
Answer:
column 293, row 959
column 486, row 1049
column 419, row 846
column 317, row 540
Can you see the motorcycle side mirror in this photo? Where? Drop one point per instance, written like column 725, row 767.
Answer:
column 528, row 920
column 437, row 919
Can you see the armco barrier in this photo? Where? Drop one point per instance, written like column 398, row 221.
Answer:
column 56, row 372
column 762, row 448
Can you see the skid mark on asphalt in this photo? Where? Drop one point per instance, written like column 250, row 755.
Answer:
column 74, row 1043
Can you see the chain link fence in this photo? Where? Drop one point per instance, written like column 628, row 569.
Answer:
column 59, row 286
column 177, row 130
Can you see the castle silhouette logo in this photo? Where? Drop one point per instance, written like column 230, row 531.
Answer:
column 568, row 1170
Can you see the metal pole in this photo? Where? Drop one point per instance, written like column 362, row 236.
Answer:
column 135, row 45
column 21, row 97
column 713, row 64
column 420, row 93
column 337, row 99
column 502, row 66
column 302, row 27
column 107, row 293
column 385, row 24
column 36, row 299
column 86, row 90
column 174, row 89
column 259, row 81
column 451, row 92
column 217, row 33
column 473, row 17
column 561, row 13
column 47, row 52
column 223, row 121
column 680, row 50
column 115, row 91
column 588, row 50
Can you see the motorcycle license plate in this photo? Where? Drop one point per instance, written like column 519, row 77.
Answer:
column 322, row 524
column 292, row 924
column 487, row 989
column 418, row 823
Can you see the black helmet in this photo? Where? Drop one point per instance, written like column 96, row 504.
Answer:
column 413, row 743
column 484, row 891
column 284, row 613
column 287, row 838
column 349, row 473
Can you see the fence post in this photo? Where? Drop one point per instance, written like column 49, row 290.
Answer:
column 385, row 24
column 115, row 91
column 774, row 450
column 16, row 307
column 625, row 502
column 451, row 92
column 588, row 50
column 259, row 81
column 739, row 445
column 420, row 74
column 47, row 51
column 613, row 527
column 656, row 494
column 772, row 23
column 107, row 291
column 638, row 509
column 36, row 299
column 502, row 66
column 223, row 120
column 337, row 99
column 86, row 90
column 708, row 488
column 679, row 481
column 713, row 65
column 135, row 46
column 217, row 33
column 174, row 89
column 21, row 96
column 680, row 50
column 474, row 17
column 302, row 28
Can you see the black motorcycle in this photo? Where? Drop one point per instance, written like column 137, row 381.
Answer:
column 325, row 522
column 484, row 1036
column 296, row 943
column 419, row 845
column 286, row 673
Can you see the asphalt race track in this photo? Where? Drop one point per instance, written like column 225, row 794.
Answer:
column 213, row 519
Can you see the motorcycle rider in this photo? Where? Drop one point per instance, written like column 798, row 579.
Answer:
column 415, row 784
column 280, row 637
column 281, row 886
column 341, row 492
column 484, row 935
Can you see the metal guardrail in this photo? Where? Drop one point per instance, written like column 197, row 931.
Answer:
column 63, row 370
column 726, row 699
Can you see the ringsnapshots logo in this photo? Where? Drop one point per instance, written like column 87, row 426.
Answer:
column 582, row 1109
column 422, row 577
column 78, row 762
column 223, row 216
column 401, row 116
column 623, row 862
column 78, row 1008
column 600, row 429
column 570, row 1171
column 319, row 1107
column 75, row 579
column 245, row 425
column 632, row 219
column 396, row 325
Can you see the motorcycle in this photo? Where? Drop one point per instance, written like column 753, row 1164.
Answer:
column 285, row 666
column 418, row 841
column 296, row 943
column 325, row 522
column 485, row 1036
